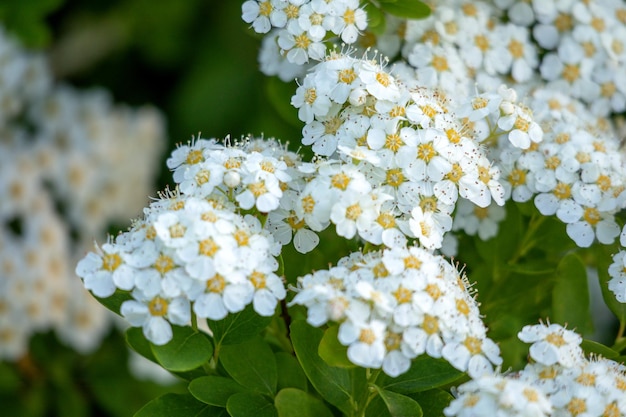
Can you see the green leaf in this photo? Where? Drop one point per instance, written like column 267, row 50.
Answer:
column 570, row 298
column 589, row 346
column 188, row 349
column 239, row 327
column 178, row 405
column 433, row 402
column 500, row 249
column 292, row 402
column 248, row 404
column 340, row 387
column 138, row 342
column 377, row 408
column 114, row 302
column 407, row 9
column 332, row 351
column 399, row 405
column 290, row 373
column 375, row 19
column 214, row 390
column 424, row 374
column 252, row 364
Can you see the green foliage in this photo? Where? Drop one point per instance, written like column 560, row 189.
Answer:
column 114, row 302
column 178, row 405
column 292, row 402
column 238, row 327
column 290, row 373
column 214, row 390
column 409, row 9
column 252, row 364
column 187, row 350
column 332, row 351
column 399, row 405
column 424, row 374
column 570, row 298
column 341, row 387
column 433, row 402
column 249, row 404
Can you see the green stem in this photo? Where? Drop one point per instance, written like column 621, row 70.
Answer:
column 528, row 241
column 620, row 331
column 194, row 321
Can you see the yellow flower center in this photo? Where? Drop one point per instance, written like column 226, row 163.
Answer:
column 208, row 247
column 517, row 177
column 412, row 262
column 473, row 344
column 258, row 280
column 308, row 204
column 163, row 264
column 430, row 324
column 111, row 261
column 203, row 176
column 426, row 151
column 383, row 79
column 216, row 284
column 403, row 295
column 367, row 336
column 194, row 157
column 393, row 142
column 394, row 177
column 353, row 212
column 340, row 181
column 158, row 307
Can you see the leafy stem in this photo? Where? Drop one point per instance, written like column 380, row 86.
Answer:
column 529, row 240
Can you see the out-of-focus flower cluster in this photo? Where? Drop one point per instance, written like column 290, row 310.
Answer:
column 71, row 163
column 397, row 304
column 559, row 381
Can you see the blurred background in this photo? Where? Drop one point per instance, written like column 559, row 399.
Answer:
column 94, row 94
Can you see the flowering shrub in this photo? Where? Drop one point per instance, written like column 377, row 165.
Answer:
column 280, row 282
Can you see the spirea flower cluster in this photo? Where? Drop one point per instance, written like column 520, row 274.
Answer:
column 71, row 163
column 298, row 30
column 397, row 304
column 560, row 381
column 187, row 252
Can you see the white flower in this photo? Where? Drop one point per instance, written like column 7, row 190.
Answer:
column 263, row 14
column 428, row 227
column 348, row 20
column 365, row 341
column 269, row 290
column 552, row 344
column 311, row 100
column 104, row 271
column 155, row 316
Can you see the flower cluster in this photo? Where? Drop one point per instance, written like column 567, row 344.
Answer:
column 560, row 382
column 575, row 173
column 185, row 253
column 410, row 143
column 298, row 29
column 65, row 156
column 397, row 304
